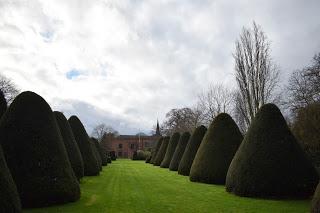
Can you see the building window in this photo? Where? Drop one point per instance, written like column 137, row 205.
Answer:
column 119, row 154
column 132, row 146
column 120, row 145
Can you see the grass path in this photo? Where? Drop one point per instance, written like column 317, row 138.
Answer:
column 134, row 186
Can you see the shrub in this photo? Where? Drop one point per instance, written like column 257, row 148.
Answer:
column 3, row 103
column 148, row 159
column 35, row 153
column 91, row 167
column 113, row 155
column 96, row 154
column 70, row 144
column 9, row 197
column 216, row 151
column 170, row 150
column 156, row 149
column 101, row 151
column 140, row 155
column 109, row 159
column 183, row 141
column 269, row 162
column 162, row 151
column 191, row 150
column 315, row 204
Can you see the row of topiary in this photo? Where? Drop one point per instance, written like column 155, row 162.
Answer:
column 268, row 162
column 43, row 155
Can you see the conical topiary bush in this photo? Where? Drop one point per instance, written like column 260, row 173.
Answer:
column 191, row 150
column 183, row 141
column 96, row 153
column 269, row 162
column 148, row 159
column 315, row 207
column 156, row 150
column 70, row 144
column 216, row 151
column 35, row 153
column 9, row 197
column 170, row 150
column 162, row 151
column 91, row 167
column 101, row 151
column 3, row 103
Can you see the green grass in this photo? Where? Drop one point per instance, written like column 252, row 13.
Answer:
column 134, row 186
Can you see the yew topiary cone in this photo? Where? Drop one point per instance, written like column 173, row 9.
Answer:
column 156, row 150
column 3, row 103
column 216, row 151
column 191, row 150
column 35, row 153
column 269, row 162
column 315, row 204
column 9, row 197
column 91, row 167
column 70, row 144
column 162, row 151
column 102, row 153
column 170, row 150
column 96, row 153
column 183, row 141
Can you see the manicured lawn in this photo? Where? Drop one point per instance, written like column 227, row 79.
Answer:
column 134, row 186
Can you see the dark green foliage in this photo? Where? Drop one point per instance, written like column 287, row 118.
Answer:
column 9, row 197
column 216, row 151
column 148, row 159
column 35, row 153
column 170, row 150
column 183, row 141
column 3, row 103
column 156, row 150
column 102, row 152
column 306, row 128
column 269, row 162
column 140, row 155
column 70, row 144
column 162, row 151
column 96, row 154
column 315, row 207
column 113, row 155
column 191, row 150
column 109, row 159
column 91, row 167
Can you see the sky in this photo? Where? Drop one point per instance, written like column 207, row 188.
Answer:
column 126, row 63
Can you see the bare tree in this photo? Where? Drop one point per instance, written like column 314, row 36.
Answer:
column 256, row 74
column 216, row 99
column 8, row 88
column 180, row 120
column 304, row 86
column 101, row 129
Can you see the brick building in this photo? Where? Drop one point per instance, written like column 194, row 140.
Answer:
column 125, row 145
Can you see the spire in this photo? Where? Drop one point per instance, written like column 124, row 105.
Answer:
column 158, row 129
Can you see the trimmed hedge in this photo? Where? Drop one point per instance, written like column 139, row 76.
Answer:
column 70, row 144
column 315, row 204
column 3, row 103
column 156, row 150
column 191, row 150
column 113, row 155
column 170, row 150
column 102, row 152
column 216, row 151
column 96, row 154
column 176, row 158
column 269, row 162
column 35, row 153
column 148, row 159
column 9, row 197
column 109, row 159
column 162, row 151
column 91, row 167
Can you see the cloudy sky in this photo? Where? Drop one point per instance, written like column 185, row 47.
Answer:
column 126, row 63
